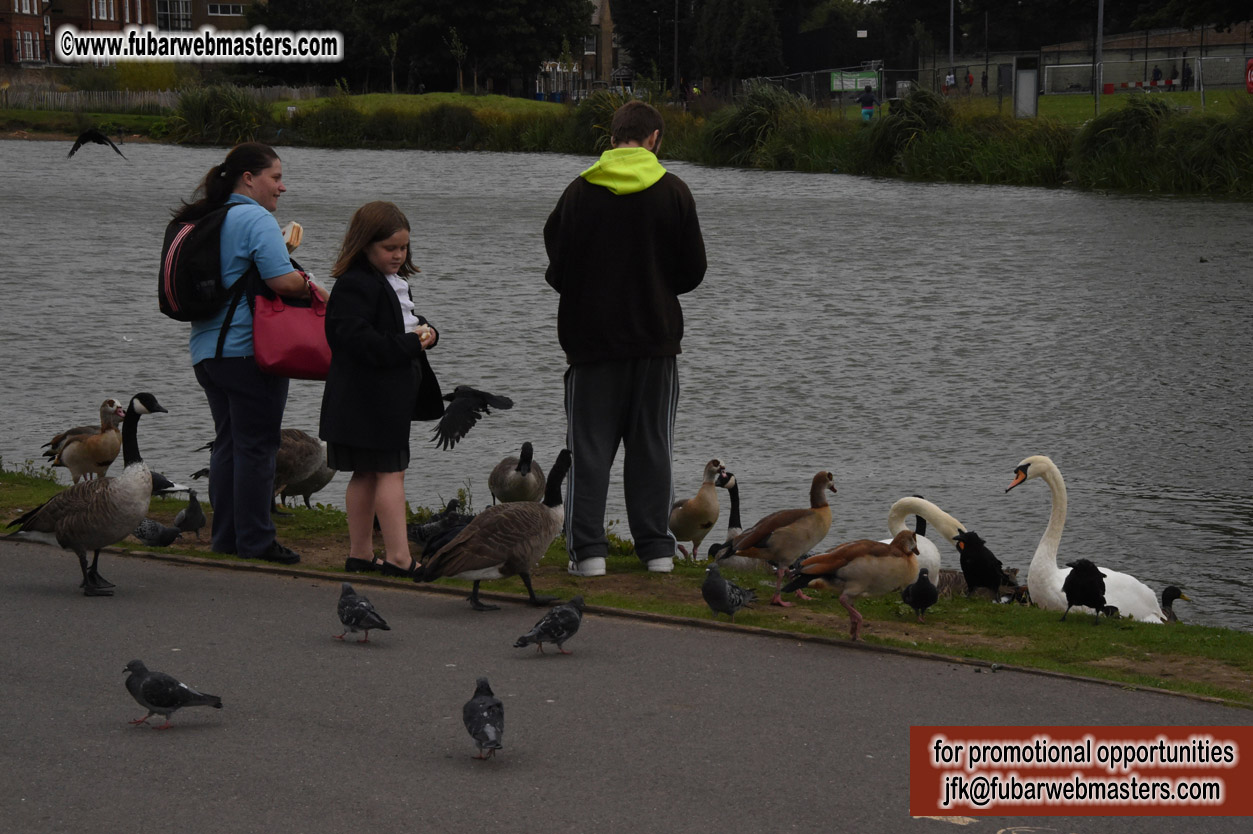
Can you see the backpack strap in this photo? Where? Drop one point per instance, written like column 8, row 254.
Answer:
column 244, row 287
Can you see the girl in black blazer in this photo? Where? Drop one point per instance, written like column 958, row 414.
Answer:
column 372, row 388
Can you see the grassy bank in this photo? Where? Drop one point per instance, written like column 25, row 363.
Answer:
column 1198, row 660
column 1140, row 143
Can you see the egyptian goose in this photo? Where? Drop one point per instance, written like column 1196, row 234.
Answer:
column 1084, row 585
column 517, row 478
column 1169, row 594
column 87, row 451
column 860, row 568
column 503, row 540
column 691, row 520
column 1045, row 579
column 95, row 514
column 785, row 536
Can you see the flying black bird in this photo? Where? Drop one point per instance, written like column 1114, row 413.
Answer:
column 191, row 519
column 484, row 717
column 93, row 135
column 357, row 614
column 920, row 594
column 465, row 406
column 155, row 534
column 1085, row 585
column 557, row 626
column 161, row 694
column 722, row 595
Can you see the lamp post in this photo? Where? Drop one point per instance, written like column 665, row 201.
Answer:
column 1096, row 54
column 676, row 47
column 951, row 61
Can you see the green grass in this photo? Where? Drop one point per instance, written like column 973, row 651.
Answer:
column 403, row 103
column 58, row 121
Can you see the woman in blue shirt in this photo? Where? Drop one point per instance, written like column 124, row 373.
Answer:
column 247, row 404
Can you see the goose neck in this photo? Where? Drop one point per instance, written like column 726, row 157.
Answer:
column 130, row 439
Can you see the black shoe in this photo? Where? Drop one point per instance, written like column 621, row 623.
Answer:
column 388, row 569
column 280, row 555
column 352, row 565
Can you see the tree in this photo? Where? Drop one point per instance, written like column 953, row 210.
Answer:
column 458, row 51
column 1193, row 13
column 389, row 51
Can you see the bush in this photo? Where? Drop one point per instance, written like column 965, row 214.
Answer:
column 336, row 124
column 740, row 134
column 218, row 115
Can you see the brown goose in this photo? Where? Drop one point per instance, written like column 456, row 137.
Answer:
column 517, row 478
column 691, row 520
column 95, row 514
column 787, row 535
column 860, row 568
column 88, row 451
column 503, row 540
column 300, row 455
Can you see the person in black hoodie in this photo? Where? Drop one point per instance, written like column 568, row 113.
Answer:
column 623, row 244
column 372, row 388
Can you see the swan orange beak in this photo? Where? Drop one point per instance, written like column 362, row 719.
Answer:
column 1020, row 475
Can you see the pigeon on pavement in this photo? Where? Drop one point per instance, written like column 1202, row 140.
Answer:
column 722, row 595
column 484, row 717
column 155, row 534
column 161, row 694
column 557, row 626
column 465, row 406
column 191, row 519
column 357, row 614
column 921, row 594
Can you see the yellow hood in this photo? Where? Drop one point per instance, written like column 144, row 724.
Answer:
column 625, row 170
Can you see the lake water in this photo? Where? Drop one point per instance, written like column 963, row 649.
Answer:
column 911, row 338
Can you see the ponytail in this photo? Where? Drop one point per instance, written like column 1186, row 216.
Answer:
column 220, row 182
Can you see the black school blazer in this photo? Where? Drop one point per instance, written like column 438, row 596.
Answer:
column 371, row 392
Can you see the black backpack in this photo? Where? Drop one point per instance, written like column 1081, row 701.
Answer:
column 189, row 284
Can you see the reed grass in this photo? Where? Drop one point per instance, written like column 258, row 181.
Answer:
column 220, row 114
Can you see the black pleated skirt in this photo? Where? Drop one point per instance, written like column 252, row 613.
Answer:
column 344, row 458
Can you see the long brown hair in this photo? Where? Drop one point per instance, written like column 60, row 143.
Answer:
column 371, row 223
column 220, row 182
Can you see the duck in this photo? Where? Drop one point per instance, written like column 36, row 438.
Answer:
column 692, row 519
column 860, row 568
column 306, row 487
column 503, row 540
column 88, row 451
column 921, row 594
column 300, row 455
column 1045, row 579
column 93, row 515
column 784, row 536
column 980, row 567
column 1084, row 586
column 1169, row 594
column 517, row 478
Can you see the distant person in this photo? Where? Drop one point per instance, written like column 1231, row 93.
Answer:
column 984, row 81
column 623, row 244
column 950, row 82
column 970, row 82
column 868, row 100
column 1157, row 74
column 247, row 404
column 371, row 392
column 1174, row 76
column 1187, row 77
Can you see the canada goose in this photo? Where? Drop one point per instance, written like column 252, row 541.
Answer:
column 1045, row 579
column 1169, row 594
column 87, row 451
column 316, row 482
column 691, row 520
column 921, row 594
column 92, row 135
column 860, row 568
column 465, row 406
column 95, row 514
column 191, row 519
column 503, row 540
column 727, row 480
column 785, row 536
column 517, row 478
column 1084, row 585
column 111, row 414
column 300, row 455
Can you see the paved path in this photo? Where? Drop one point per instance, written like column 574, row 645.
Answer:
column 645, row 728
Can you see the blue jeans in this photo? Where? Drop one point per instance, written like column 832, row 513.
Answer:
column 247, row 408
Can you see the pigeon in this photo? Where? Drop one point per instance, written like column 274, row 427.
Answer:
column 484, row 717
column 465, row 406
column 1085, row 585
column 93, row 135
column 155, row 534
column 722, row 595
column 921, row 594
column 191, row 518
column 357, row 614
column 157, row 692
column 557, row 626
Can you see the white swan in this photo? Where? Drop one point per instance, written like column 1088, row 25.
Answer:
column 1044, row 578
column 928, row 553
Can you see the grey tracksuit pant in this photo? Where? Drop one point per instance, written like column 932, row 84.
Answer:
column 632, row 401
